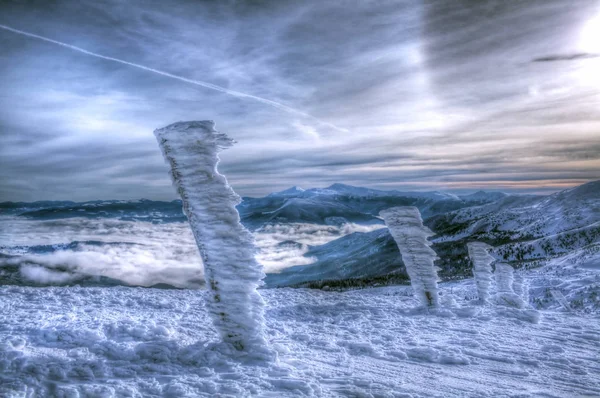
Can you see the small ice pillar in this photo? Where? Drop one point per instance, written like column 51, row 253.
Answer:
column 505, row 294
column 482, row 268
column 227, row 249
column 520, row 286
column 407, row 229
column 504, row 278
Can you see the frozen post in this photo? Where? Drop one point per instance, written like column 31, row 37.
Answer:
column 406, row 226
column 505, row 294
column 231, row 271
column 520, row 287
column 482, row 268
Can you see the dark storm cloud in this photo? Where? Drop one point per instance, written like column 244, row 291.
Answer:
column 434, row 95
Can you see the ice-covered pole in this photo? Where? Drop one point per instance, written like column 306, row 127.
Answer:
column 406, row 226
column 482, row 268
column 520, row 286
column 505, row 294
column 227, row 249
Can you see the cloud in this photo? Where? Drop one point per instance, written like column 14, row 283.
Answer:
column 138, row 253
column 141, row 253
column 564, row 57
column 284, row 245
column 420, row 86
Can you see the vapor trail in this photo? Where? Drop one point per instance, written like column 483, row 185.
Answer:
column 183, row 79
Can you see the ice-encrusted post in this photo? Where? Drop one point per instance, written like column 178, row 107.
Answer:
column 505, row 294
column 407, row 229
column 520, row 287
column 227, row 249
column 482, row 268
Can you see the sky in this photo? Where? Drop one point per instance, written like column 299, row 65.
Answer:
column 453, row 96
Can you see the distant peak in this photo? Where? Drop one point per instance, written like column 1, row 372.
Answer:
column 588, row 190
column 338, row 185
column 288, row 192
column 293, row 189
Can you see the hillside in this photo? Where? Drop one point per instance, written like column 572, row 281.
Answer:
column 527, row 227
column 526, row 230
column 340, row 203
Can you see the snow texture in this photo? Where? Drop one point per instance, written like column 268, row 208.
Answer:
column 136, row 342
column 406, row 226
column 227, row 248
column 482, row 268
column 505, row 295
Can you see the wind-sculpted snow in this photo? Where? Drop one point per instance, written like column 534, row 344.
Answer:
column 226, row 247
column 131, row 342
column 406, row 226
column 505, row 295
column 482, row 268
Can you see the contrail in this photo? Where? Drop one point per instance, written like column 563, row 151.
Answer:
column 200, row 83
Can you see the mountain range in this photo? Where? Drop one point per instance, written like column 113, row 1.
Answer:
column 525, row 230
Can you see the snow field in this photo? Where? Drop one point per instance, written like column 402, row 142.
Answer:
column 136, row 342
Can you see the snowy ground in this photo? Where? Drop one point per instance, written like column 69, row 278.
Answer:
column 103, row 342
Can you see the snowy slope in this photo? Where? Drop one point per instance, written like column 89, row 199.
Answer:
column 314, row 210
column 533, row 215
column 528, row 227
column 508, row 223
column 357, row 255
column 134, row 342
column 483, row 197
column 341, row 203
column 575, row 275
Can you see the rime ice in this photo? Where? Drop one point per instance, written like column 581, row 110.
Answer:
column 482, row 268
column 226, row 247
column 505, row 294
column 406, row 226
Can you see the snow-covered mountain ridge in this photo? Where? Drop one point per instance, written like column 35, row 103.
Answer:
column 525, row 230
column 304, row 236
column 528, row 227
column 341, row 203
column 336, row 204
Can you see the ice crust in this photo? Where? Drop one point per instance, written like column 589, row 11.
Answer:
column 226, row 247
column 482, row 268
column 133, row 342
column 406, row 226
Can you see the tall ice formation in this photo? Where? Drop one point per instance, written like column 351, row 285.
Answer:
column 482, row 268
column 406, row 226
column 505, row 295
column 227, row 249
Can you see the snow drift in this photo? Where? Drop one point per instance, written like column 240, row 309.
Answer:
column 227, row 249
column 406, row 226
column 482, row 268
